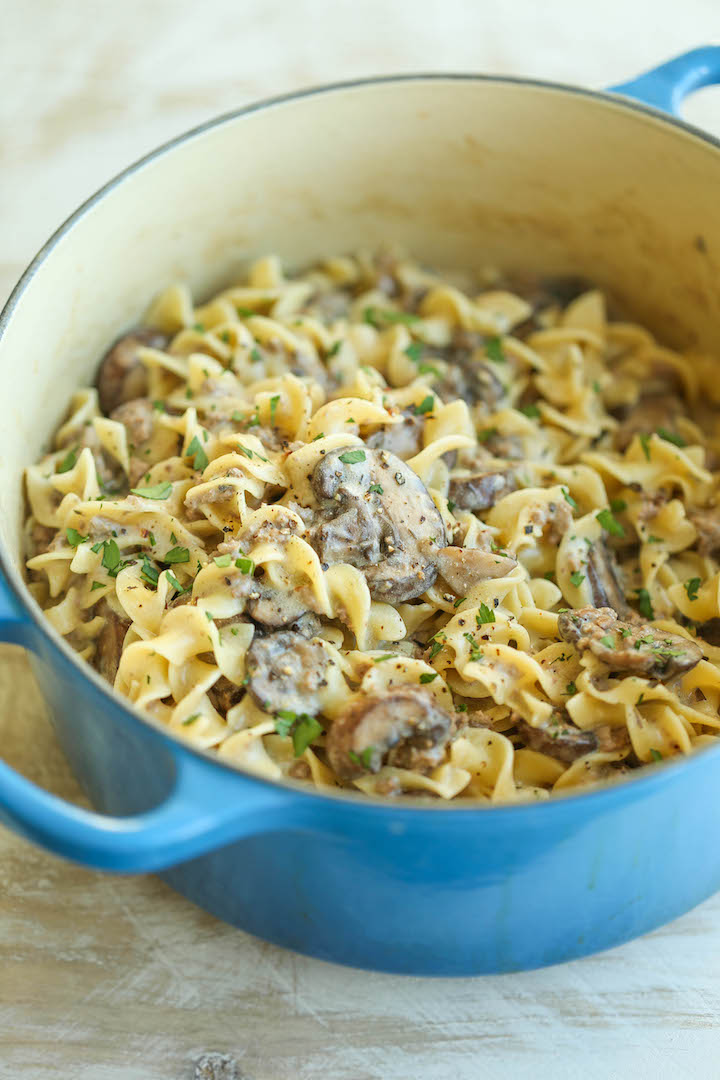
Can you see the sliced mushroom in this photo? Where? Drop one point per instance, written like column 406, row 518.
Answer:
column 634, row 648
column 603, row 574
column 464, row 567
column 286, row 671
column 480, row 491
column 651, row 413
column 138, row 417
column 405, row 728
column 121, row 376
column 109, row 643
column 224, row 695
column 707, row 523
column 559, row 738
column 403, row 439
column 710, row 631
column 376, row 515
column 468, row 376
column 554, row 519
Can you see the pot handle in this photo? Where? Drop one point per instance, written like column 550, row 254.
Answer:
column 666, row 86
column 206, row 808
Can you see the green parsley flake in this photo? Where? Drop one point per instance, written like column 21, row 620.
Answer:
column 273, row 407
column 244, row 450
column 414, row 351
column 222, row 561
column 484, row 615
column 671, row 437
column 111, row 556
column 426, row 406
column 610, row 523
column 607, row 641
column 176, row 555
column 173, row 582
column 191, row 719
column 530, row 411
column 645, row 443
column 460, row 600
column 256, row 355
column 691, row 587
column 158, row 405
column 655, row 754
column 364, row 759
column 245, row 565
column 377, row 488
column 334, row 349
column 486, row 433
column 494, row 350
column 98, row 585
column 352, row 457
column 156, row 491
column 571, row 689
column 149, row 573
column 645, row 604
column 438, row 642
column 74, row 538
column 577, row 578
column 386, row 656
column 306, row 729
column 68, row 462
column 475, row 651
column 197, row 453
column 569, row 499
column 428, row 676
column 377, row 316
column 199, row 327
column 618, row 505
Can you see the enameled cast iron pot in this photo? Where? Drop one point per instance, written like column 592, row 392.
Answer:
column 460, row 170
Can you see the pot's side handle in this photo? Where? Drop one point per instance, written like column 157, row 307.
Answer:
column 665, row 87
column 207, row 807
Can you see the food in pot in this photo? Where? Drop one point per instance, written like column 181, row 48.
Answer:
column 377, row 528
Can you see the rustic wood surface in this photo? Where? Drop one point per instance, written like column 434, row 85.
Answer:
column 118, row 978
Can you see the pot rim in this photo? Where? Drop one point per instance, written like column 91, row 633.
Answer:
column 643, row 782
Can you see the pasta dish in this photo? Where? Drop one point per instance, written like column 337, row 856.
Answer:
column 378, row 528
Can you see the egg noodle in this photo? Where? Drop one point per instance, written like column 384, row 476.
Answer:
column 370, row 527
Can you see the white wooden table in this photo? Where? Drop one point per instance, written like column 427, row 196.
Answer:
column 119, row 979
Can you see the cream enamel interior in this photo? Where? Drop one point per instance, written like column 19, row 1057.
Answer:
column 461, row 172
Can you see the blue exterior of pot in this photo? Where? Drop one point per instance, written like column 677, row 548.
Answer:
column 422, row 890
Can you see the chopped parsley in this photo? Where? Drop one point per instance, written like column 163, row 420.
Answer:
column 618, row 505
column 364, row 758
column 156, row 491
column 414, row 352
column 273, row 407
column 608, row 641
column 486, row 433
column 149, row 573
column 426, row 405
column 484, row 615
column 244, row 450
column 571, row 689
column 74, row 538
column 68, row 462
column 197, row 453
column 655, row 754
column 386, row 656
column 352, row 457
column 176, row 555
column 691, row 587
column 428, row 676
column 610, row 523
column 577, row 578
column 645, row 443
column 158, row 405
column 451, row 506
column 303, row 728
column 151, row 538
column 199, row 327
column 569, row 499
column 111, row 557
column 438, row 642
column 475, row 651
column 173, row 582
column 98, row 585
column 334, row 349
column 245, row 565
column 671, row 437
column 244, row 312
column 531, row 411
column 222, row 561
column 645, row 604
column 191, row 719
column 377, row 488
column 460, row 600
column 494, row 350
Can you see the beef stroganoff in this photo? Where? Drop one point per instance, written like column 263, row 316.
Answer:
column 375, row 528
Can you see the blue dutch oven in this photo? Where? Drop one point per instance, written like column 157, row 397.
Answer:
column 462, row 170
